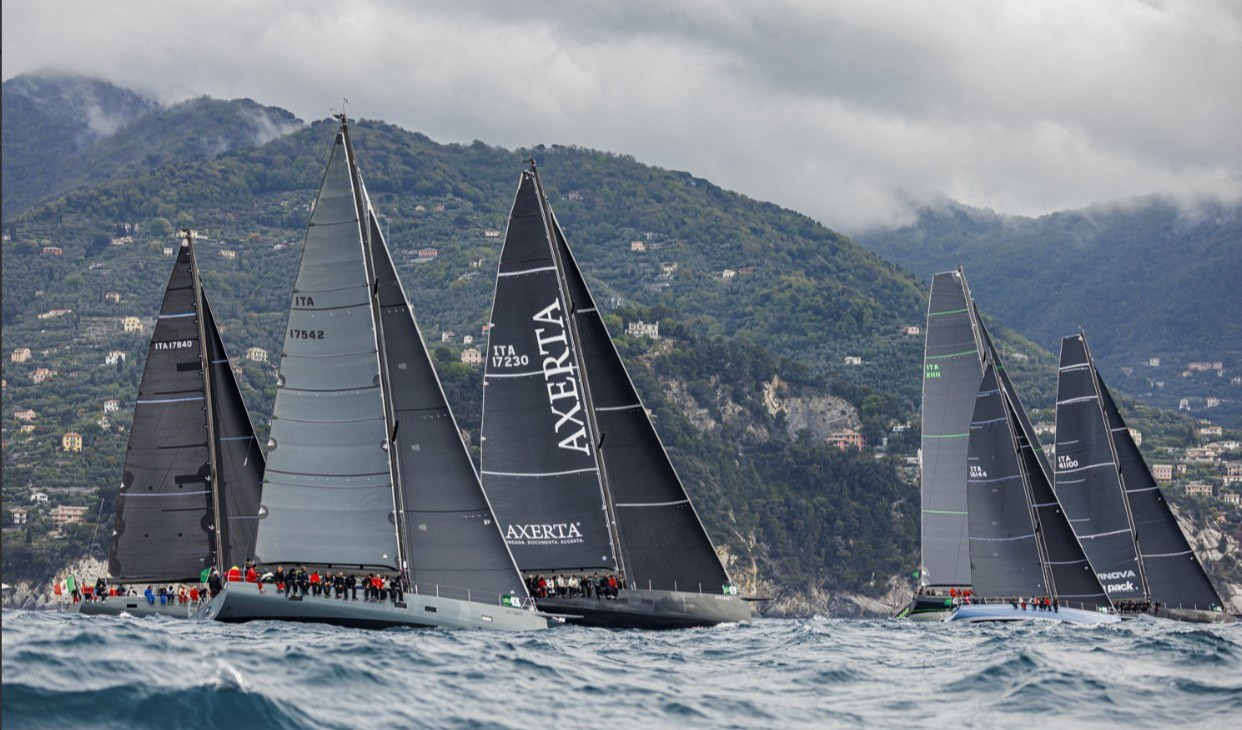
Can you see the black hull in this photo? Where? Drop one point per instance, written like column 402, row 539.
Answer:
column 928, row 608
column 644, row 609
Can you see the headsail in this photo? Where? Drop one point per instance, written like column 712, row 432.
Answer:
column 239, row 472
column 328, row 491
column 1005, row 557
column 1175, row 577
column 664, row 544
column 952, row 370
column 451, row 537
column 164, row 527
column 1087, row 481
column 538, row 450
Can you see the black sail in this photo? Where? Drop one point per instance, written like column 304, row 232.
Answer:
column 328, row 493
column 1175, row 577
column 164, row 529
column 1005, row 555
column 1068, row 572
column 1087, row 482
column 663, row 542
column 951, row 373
column 239, row 470
column 451, row 538
column 538, row 450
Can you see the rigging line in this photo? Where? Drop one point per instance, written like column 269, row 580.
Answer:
column 1104, row 534
column 90, row 550
column 1080, row 399
column 589, row 470
column 652, row 504
column 618, row 408
column 1167, row 555
column 1003, row 539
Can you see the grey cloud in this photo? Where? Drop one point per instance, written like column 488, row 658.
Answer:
column 850, row 112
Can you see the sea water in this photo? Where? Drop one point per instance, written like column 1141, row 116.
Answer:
column 66, row 671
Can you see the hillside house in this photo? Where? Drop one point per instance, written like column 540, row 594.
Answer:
column 420, row 209
column 53, row 313
column 1233, row 468
column 228, row 255
column 239, row 371
column 104, row 422
column 1183, row 404
column 638, row 246
column 847, row 439
column 71, row 441
column 1201, row 454
column 38, row 497
column 1199, row 367
column 639, row 328
column 472, row 356
column 1211, row 402
column 52, row 251
column 114, row 357
column 913, row 330
column 27, row 428
column 1211, row 431
column 26, row 414
column 1198, row 489
column 1162, row 472
column 467, row 339
column 1231, row 498
column 19, row 515
column 112, row 405
column 427, row 254
column 131, row 324
column 476, row 264
column 21, row 354
column 491, row 233
column 168, row 250
column 573, row 195
column 1136, row 435
column 447, row 336
column 853, row 360
column 67, row 515
column 112, row 296
column 256, row 354
column 42, row 375
column 438, row 208
column 728, row 274
column 668, row 268
column 122, row 240
column 1153, row 362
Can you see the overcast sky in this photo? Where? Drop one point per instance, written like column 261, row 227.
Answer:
column 847, row 111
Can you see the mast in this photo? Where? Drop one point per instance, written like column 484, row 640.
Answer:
column 212, row 457
column 1121, row 477
column 614, row 534
column 390, row 430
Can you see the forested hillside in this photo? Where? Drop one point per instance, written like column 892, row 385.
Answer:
column 1146, row 279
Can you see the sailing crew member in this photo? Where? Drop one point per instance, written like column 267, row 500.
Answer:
column 214, row 585
column 234, row 574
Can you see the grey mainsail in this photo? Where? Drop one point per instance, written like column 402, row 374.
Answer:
column 1087, row 481
column 568, row 447
column 189, row 424
column 451, row 537
column 1005, row 556
column 1175, row 577
column 952, row 370
column 328, row 491
column 538, row 451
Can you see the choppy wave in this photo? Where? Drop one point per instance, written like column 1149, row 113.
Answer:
column 62, row 670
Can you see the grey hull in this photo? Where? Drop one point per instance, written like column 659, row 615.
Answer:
column 240, row 602
column 646, row 609
column 135, row 606
column 1196, row 617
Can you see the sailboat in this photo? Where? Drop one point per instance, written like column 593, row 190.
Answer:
column 367, row 471
column 190, row 491
column 1021, row 543
column 1126, row 527
column 579, row 479
column 952, row 371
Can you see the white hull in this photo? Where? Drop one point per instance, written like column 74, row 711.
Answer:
column 981, row 613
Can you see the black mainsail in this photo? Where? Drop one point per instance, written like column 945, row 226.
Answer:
column 191, row 482
column 366, row 466
column 1088, row 483
column 952, row 370
column 570, row 459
